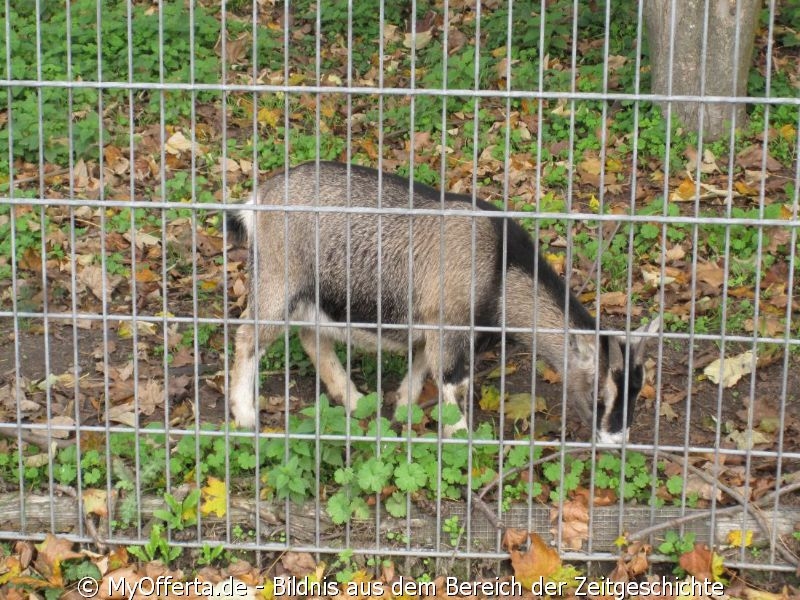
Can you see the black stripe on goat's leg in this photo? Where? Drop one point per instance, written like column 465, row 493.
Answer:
column 450, row 360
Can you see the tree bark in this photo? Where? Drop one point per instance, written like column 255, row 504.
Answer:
column 726, row 66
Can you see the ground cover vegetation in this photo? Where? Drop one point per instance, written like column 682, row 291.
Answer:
column 165, row 274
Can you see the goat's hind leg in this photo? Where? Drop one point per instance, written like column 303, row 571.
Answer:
column 243, row 401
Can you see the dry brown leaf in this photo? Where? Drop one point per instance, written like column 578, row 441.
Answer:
column 613, row 299
column 127, row 573
column 668, row 412
column 177, row 143
column 675, row 253
column 710, row 273
column 620, row 572
column 418, row 41
column 299, row 564
column 539, row 562
column 602, row 497
column 573, row 522
column 752, row 157
column 514, row 538
column 699, row 562
column 639, row 563
column 51, row 552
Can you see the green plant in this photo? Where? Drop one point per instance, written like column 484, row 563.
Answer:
column 454, row 529
column 156, row 548
column 675, row 545
column 179, row 513
column 84, row 123
column 210, row 553
column 77, row 569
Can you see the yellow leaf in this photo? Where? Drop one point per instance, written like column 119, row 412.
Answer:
column 10, row 569
column 788, row 132
column 52, row 552
column 556, row 261
column 268, row 116
column 621, row 541
column 490, row 397
column 613, row 165
column 214, row 497
column 268, row 589
column 518, row 406
column 735, row 538
column 685, row 190
column 509, row 369
column 125, row 331
column 594, row 203
column 717, row 566
column 744, row 189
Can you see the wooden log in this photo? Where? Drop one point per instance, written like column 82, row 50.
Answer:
column 299, row 525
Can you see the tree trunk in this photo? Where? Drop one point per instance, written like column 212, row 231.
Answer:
column 726, row 70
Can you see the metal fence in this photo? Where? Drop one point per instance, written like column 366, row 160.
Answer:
column 132, row 130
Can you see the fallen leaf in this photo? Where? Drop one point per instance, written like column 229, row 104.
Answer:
column 747, row 439
column 753, row 156
column 490, row 398
column 676, row 253
column 214, row 496
column 548, row 374
column 710, row 273
column 733, row 369
column 573, row 520
column 685, row 191
column 736, row 537
column 518, row 406
column 418, row 41
column 508, row 369
column 697, row 562
column 299, row 564
column 539, row 562
column 95, row 502
column 514, row 538
column 177, row 143
column 51, row 553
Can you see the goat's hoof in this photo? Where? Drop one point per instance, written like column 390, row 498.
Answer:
column 245, row 419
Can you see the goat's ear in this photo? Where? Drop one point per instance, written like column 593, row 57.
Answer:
column 639, row 344
column 582, row 351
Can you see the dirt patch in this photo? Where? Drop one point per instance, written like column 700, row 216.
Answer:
column 694, row 420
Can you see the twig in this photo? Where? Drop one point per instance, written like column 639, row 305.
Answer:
column 706, row 513
column 39, row 176
column 37, row 440
column 70, row 491
column 743, row 502
column 478, row 503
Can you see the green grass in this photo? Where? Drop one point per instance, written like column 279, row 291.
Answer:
column 52, row 123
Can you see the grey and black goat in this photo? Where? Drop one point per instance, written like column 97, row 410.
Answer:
column 299, row 266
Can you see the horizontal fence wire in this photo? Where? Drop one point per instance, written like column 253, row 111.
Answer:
column 100, row 307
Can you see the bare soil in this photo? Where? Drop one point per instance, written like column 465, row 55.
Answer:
column 684, row 420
